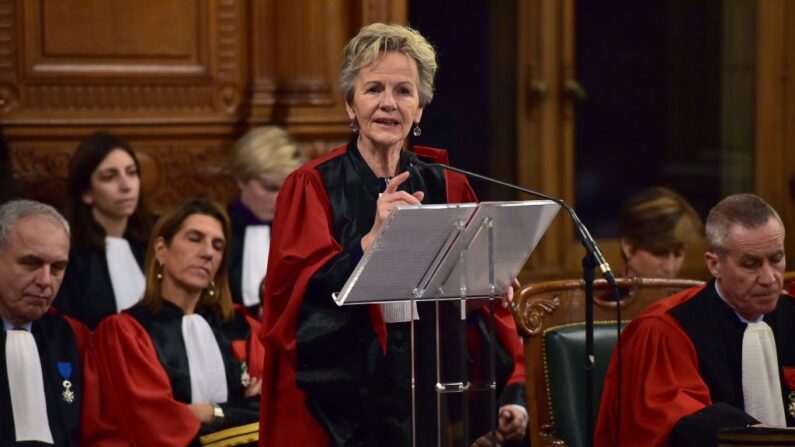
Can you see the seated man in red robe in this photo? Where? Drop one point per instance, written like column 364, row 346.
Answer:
column 712, row 357
column 41, row 372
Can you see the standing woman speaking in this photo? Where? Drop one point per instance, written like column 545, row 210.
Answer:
column 110, row 229
column 341, row 375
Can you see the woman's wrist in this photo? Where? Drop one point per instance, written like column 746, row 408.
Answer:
column 218, row 419
column 367, row 239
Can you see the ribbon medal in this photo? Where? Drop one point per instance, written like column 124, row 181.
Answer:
column 789, row 380
column 245, row 378
column 791, row 406
column 239, row 351
column 65, row 370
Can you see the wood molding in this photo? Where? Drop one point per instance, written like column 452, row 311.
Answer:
column 200, row 74
column 179, row 80
column 541, row 162
column 531, row 313
column 775, row 114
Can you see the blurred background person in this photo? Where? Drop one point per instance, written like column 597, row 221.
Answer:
column 111, row 225
column 715, row 356
column 260, row 162
column 655, row 227
column 184, row 361
column 341, row 375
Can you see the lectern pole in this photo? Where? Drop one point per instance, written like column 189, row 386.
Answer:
column 492, row 377
column 588, row 267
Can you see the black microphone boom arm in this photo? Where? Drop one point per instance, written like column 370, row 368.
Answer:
column 582, row 231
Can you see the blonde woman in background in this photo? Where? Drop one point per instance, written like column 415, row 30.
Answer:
column 260, row 162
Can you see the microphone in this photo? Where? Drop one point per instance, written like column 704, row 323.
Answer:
column 582, row 231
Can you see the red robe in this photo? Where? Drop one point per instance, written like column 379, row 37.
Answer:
column 665, row 379
column 302, row 242
column 137, row 405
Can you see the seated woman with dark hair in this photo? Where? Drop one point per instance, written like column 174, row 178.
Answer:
column 184, row 362
column 654, row 228
column 260, row 161
column 111, row 226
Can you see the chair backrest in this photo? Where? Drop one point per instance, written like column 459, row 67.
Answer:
column 551, row 316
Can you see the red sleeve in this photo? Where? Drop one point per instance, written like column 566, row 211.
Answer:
column 458, row 188
column 99, row 428
column 660, row 384
column 256, row 352
column 136, row 395
column 301, row 243
column 81, row 333
column 505, row 329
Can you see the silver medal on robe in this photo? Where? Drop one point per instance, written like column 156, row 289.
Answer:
column 791, row 406
column 68, row 394
column 65, row 370
column 245, row 378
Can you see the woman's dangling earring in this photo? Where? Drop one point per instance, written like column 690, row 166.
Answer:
column 354, row 126
column 159, row 271
column 212, row 288
column 417, row 131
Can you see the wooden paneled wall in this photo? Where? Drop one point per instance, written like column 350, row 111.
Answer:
column 180, row 79
column 775, row 136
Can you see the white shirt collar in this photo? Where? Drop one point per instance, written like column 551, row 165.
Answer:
column 744, row 320
column 10, row 327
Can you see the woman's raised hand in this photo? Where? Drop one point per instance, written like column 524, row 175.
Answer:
column 389, row 199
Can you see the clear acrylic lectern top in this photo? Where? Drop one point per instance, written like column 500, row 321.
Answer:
column 420, row 251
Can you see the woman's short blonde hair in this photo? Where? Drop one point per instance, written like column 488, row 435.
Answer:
column 379, row 38
column 264, row 152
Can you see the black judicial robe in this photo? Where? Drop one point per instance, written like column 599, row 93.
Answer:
column 87, row 293
column 60, row 340
column 338, row 375
column 240, row 218
column 142, row 366
column 682, row 371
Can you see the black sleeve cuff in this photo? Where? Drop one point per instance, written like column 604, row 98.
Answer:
column 355, row 251
column 701, row 428
column 241, row 411
column 514, row 393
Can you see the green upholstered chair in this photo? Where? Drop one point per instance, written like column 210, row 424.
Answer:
column 550, row 318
